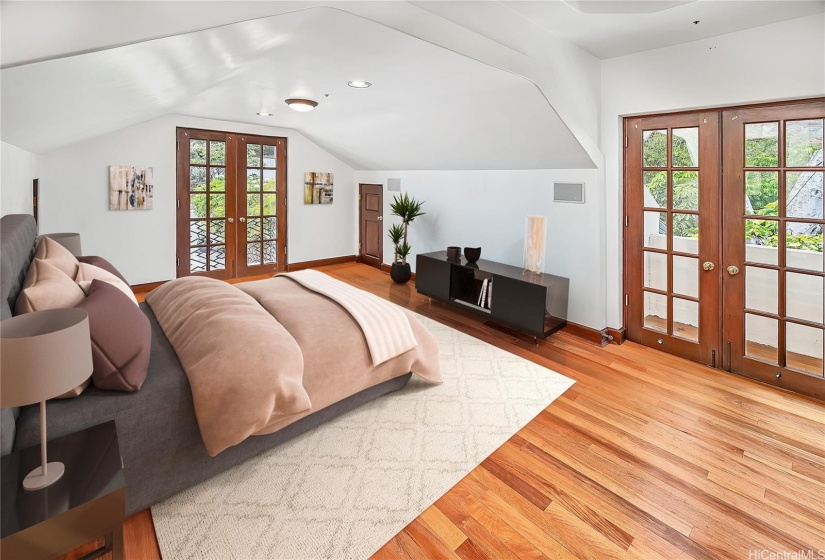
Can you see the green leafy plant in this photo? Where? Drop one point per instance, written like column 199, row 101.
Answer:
column 408, row 209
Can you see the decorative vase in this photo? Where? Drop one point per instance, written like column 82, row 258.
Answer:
column 400, row 273
column 472, row 254
column 454, row 253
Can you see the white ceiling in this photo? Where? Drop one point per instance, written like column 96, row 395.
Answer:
column 429, row 108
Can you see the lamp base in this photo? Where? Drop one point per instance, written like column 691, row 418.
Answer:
column 35, row 479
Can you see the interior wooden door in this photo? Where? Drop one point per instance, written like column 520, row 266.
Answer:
column 672, row 202
column 261, row 203
column 371, row 224
column 205, row 203
column 773, row 256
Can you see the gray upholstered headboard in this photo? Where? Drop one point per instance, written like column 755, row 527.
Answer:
column 17, row 236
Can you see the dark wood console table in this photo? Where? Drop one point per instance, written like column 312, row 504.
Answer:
column 520, row 299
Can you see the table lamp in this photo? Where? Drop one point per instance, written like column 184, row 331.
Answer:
column 43, row 355
column 70, row 241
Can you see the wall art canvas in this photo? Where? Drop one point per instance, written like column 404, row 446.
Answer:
column 534, row 244
column 318, row 187
column 130, row 188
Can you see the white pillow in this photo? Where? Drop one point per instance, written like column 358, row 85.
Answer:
column 88, row 272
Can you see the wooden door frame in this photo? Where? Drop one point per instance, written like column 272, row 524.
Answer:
column 361, row 243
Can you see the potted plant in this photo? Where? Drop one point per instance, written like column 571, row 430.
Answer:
column 408, row 209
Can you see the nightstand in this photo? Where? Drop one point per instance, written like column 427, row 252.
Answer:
column 89, row 501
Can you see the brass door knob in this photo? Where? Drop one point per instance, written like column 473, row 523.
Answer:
column 231, row 220
column 708, row 265
column 733, row 270
column 242, row 219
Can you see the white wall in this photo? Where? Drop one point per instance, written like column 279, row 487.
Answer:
column 17, row 170
column 781, row 61
column 489, row 208
column 141, row 244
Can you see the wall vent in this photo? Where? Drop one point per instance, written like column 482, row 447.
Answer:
column 394, row 185
column 568, row 192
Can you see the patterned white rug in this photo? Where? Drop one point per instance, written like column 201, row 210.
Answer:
column 347, row 487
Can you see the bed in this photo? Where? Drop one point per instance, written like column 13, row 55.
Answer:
column 160, row 439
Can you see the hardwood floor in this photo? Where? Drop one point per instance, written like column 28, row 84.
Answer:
column 646, row 456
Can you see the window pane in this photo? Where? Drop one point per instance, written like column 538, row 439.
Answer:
column 654, row 148
column 253, row 229
column 685, row 147
column 686, row 319
column 803, row 194
column 762, row 193
column 253, row 253
column 197, row 232
column 269, row 252
column 762, row 289
column 197, row 151
column 803, row 246
column 269, row 183
column 685, row 277
column 217, row 204
column 761, row 338
column 803, row 140
column 686, row 233
column 197, row 178
column 197, row 206
column 655, row 271
column 270, row 229
column 762, row 145
column 217, row 258
column 253, row 155
column 253, row 205
column 217, row 179
column 803, row 348
column 655, row 195
column 216, row 232
column 270, row 203
column 217, row 153
column 655, row 312
column 803, row 296
column 270, row 159
column 686, row 190
column 197, row 259
column 253, row 180
column 762, row 241
column 655, row 234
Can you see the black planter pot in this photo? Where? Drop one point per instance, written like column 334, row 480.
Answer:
column 400, row 273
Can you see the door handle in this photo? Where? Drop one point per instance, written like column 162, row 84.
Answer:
column 708, row 265
column 380, row 218
column 231, row 220
column 242, row 220
column 733, row 270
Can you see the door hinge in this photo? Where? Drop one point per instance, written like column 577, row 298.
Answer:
column 359, row 196
column 625, row 142
column 177, row 259
column 359, row 245
column 626, row 299
column 626, row 220
column 178, row 204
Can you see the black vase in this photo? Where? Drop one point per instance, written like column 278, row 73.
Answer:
column 472, row 254
column 400, row 273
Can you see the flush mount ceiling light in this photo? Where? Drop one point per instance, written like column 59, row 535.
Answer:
column 360, row 84
column 264, row 114
column 302, row 105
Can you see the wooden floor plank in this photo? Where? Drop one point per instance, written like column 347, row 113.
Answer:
column 647, row 456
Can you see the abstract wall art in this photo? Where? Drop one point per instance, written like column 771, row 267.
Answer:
column 318, row 187
column 130, row 188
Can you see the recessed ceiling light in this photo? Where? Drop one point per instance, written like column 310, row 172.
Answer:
column 359, row 84
column 264, row 114
column 301, row 105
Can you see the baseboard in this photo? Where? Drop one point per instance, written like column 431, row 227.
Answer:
column 292, row 267
column 386, row 268
column 616, row 336
column 597, row 337
column 146, row 288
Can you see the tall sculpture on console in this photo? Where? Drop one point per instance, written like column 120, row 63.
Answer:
column 534, row 244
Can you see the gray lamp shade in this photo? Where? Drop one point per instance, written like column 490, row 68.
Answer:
column 70, row 241
column 43, row 354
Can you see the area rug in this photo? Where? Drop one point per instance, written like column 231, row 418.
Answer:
column 345, row 488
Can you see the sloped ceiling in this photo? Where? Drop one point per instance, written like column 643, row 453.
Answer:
column 429, row 108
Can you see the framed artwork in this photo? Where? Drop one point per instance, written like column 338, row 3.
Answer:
column 318, row 187
column 130, row 188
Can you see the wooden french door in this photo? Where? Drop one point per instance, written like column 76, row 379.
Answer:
column 231, row 204
column 723, row 246
column 371, row 224
column 672, row 242
column 774, row 275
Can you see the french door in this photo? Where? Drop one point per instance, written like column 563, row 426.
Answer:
column 723, row 245
column 231, row 204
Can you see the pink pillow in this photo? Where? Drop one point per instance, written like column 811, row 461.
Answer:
column 88, row 272
column 57, row 255
column 47, row 287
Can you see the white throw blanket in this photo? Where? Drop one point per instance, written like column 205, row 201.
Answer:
column 384, row 324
